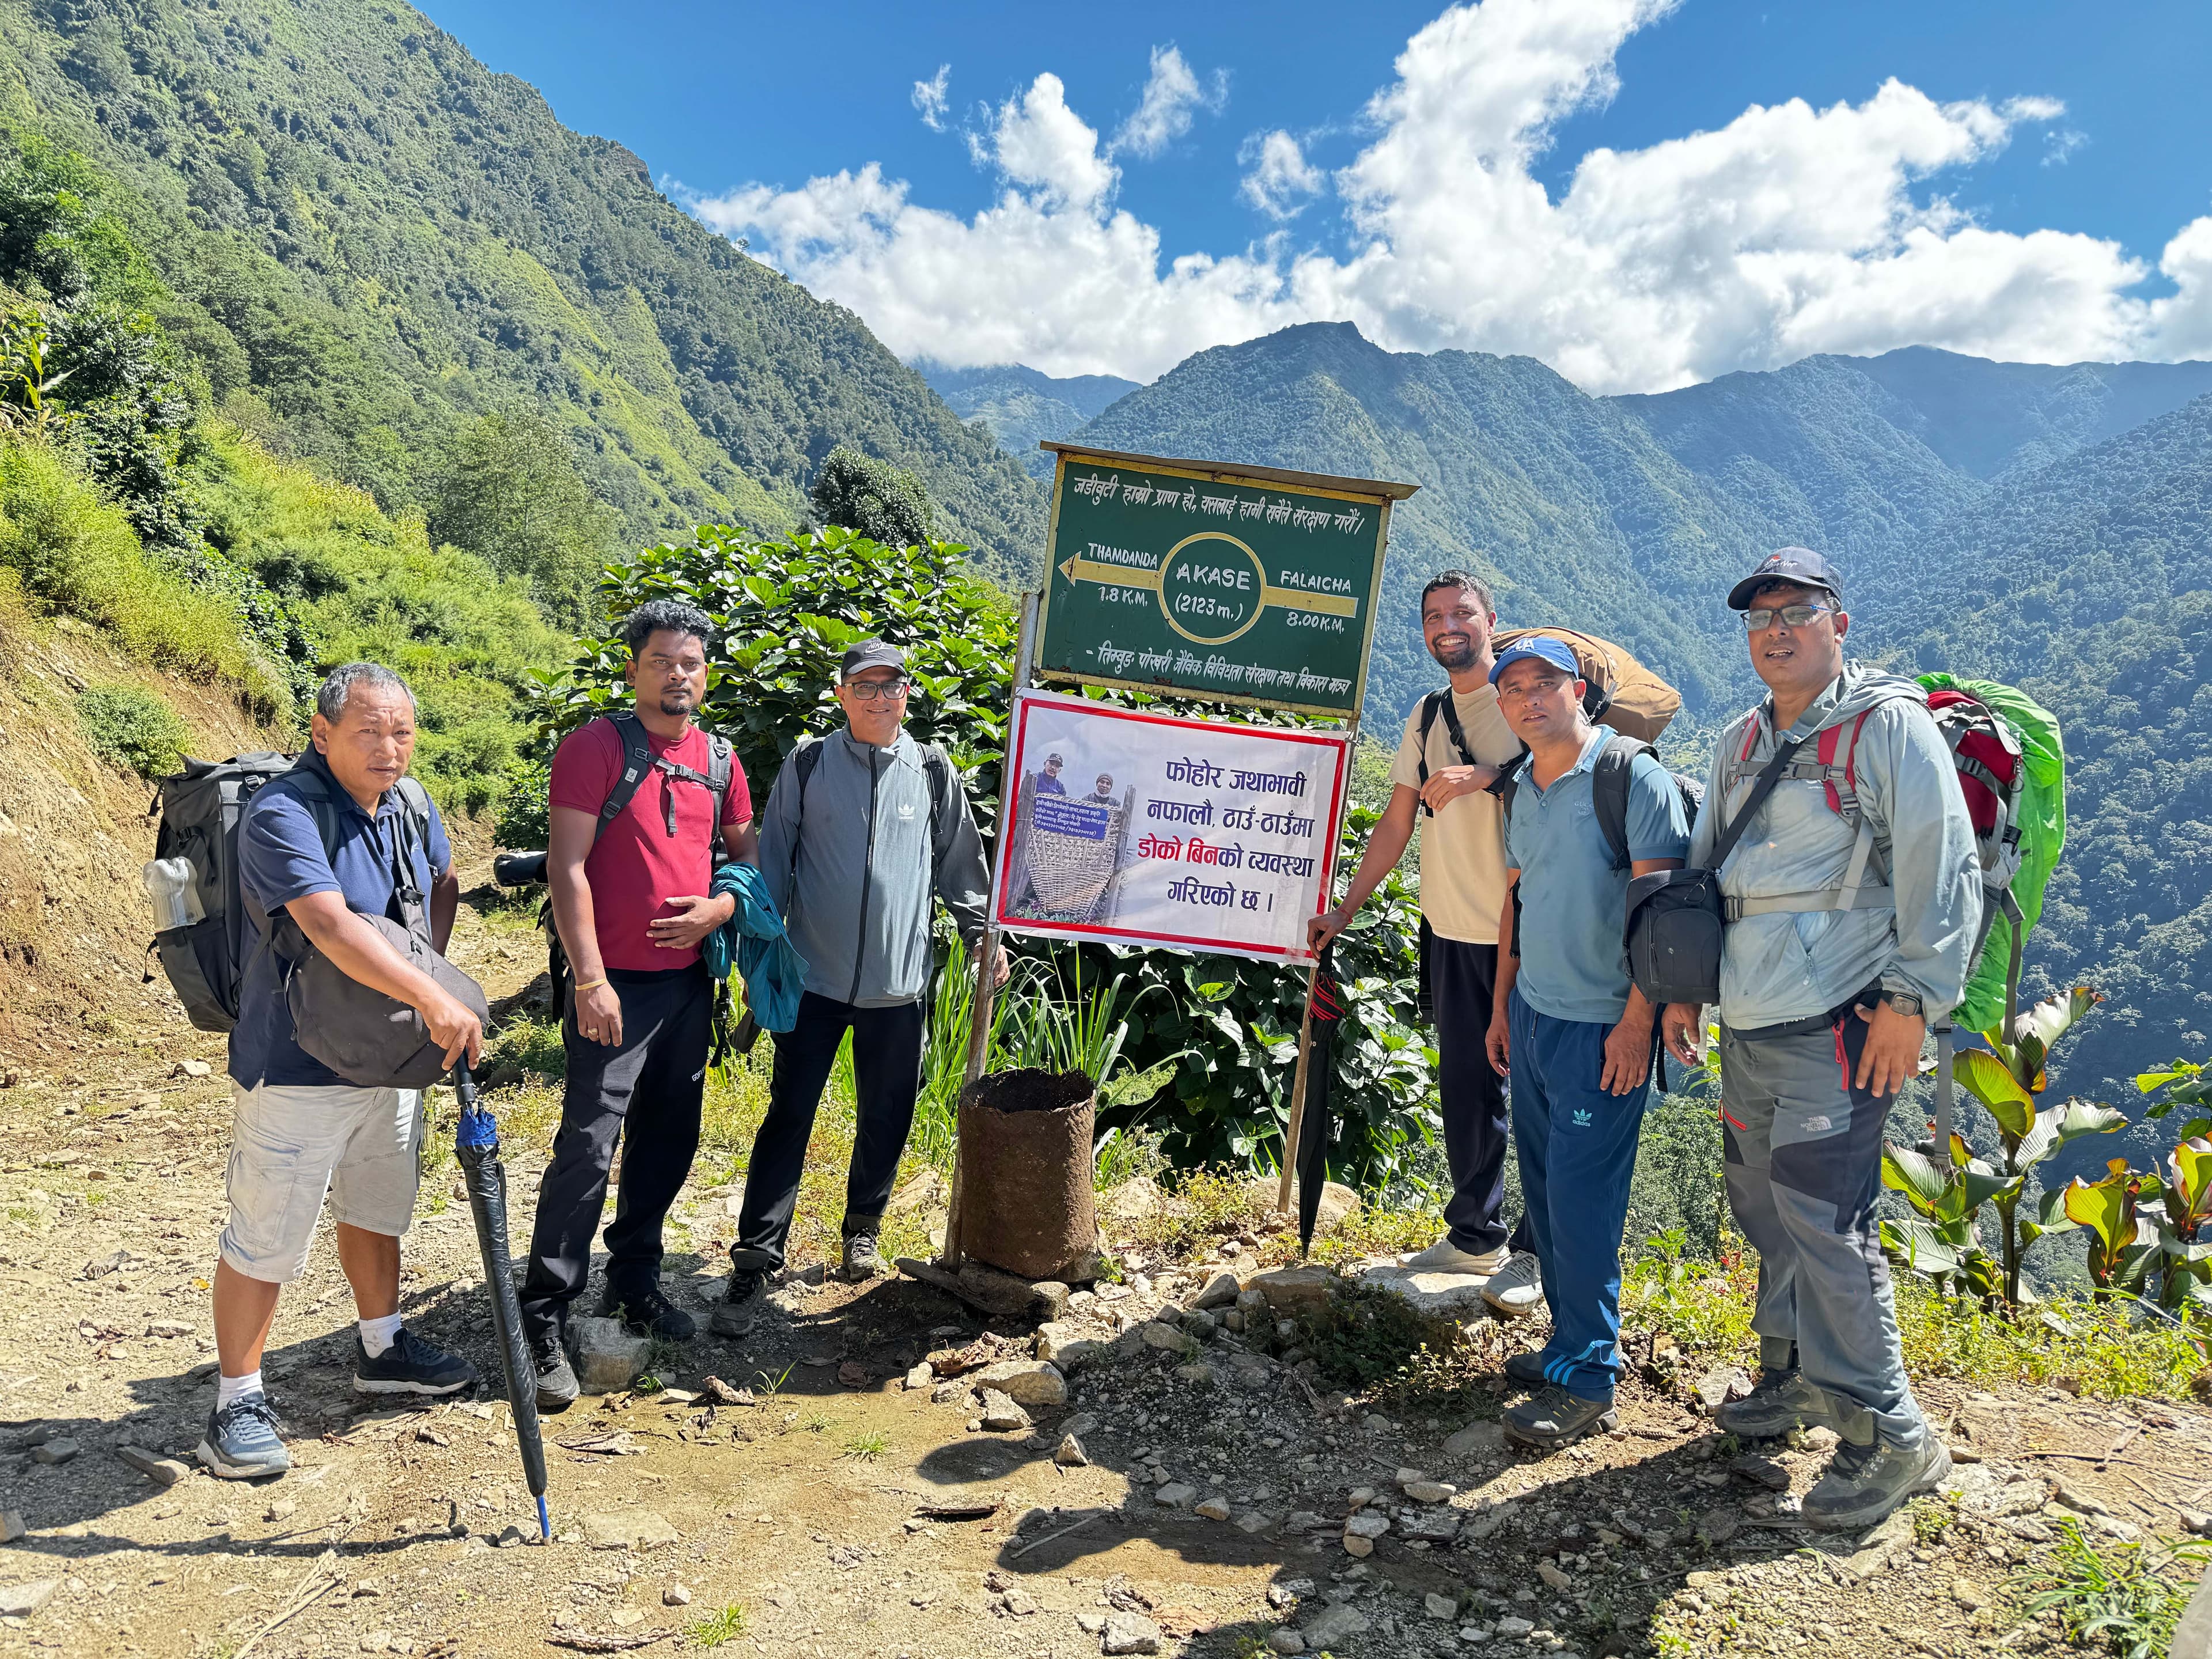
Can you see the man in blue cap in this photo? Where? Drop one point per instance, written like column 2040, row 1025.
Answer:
column 1853, row 903
column 1585, row 809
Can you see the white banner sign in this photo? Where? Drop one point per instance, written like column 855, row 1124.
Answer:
column 1137, row 829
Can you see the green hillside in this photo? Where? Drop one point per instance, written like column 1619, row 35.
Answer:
column 369, row 241
column 2092, row 587
column 1018, row 405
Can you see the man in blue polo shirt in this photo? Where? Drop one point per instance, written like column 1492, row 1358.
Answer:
column 319, row 849
column 1576, row 1034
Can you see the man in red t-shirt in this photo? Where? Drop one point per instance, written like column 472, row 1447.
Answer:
column 632, row 900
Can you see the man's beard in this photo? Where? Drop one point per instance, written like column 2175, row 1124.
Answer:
column 1455, row 657
column 676, row 702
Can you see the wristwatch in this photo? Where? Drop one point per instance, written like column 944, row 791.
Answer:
column 1903, row 1002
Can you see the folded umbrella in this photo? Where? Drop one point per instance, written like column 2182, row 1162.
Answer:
column 476, row 1143
column 1314, row 1133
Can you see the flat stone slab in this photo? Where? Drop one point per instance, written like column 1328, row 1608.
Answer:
column 618, row 1529
column 1290, row 1289
column 1442, row 1293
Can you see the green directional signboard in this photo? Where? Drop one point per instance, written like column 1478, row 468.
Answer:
column 1240, row 584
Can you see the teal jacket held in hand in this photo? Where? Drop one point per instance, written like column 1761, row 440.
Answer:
column 754, row 940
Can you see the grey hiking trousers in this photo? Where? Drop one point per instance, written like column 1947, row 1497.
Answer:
column 1803, row 1151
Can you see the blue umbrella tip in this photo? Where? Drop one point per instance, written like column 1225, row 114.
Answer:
column 545, row 1522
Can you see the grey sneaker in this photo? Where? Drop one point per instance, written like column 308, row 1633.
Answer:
column 244, row 1441
column 733, row 1315
column 863, row 1259
column 1865, row 1483
column 1782, row 1401
column 1445, row 1257
column 409, row 1366
column 1555, row 1418
column 1515, row 1288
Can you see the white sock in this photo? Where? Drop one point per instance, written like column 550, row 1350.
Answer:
column 376, row 1335
column 228, row 1389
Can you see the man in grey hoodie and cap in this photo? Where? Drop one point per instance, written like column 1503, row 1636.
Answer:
column 1852, row 911
column 862, row 830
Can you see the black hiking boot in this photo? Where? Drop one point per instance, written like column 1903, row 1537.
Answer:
column 646, row 1311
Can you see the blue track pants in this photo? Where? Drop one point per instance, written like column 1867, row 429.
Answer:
column 1577, row 1145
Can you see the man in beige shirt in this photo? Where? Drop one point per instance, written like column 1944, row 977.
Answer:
column 1454, row 743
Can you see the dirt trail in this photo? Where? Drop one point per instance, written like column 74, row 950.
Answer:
column 400, row 1531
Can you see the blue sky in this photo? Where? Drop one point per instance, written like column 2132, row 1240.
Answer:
column 2069, row 202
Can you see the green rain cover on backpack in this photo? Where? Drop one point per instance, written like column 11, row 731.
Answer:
column 2040, row 812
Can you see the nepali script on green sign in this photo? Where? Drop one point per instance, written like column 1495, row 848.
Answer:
column 1239, row 588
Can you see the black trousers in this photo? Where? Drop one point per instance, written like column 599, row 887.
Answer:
column 646, row 1091
column 886, row 1077
column 1463, row 983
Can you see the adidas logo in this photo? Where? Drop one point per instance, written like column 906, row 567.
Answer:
column 1582, row 1119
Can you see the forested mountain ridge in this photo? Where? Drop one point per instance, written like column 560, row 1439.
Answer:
column 370, row 238
column 2089, row 585
column 1017, row 405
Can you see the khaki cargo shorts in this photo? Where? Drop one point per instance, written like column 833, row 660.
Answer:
column 292, row 1146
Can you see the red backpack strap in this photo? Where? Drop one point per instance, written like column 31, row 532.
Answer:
column 1843, row 801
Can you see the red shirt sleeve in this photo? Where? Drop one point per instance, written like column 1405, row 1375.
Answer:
column 585, row 767
column 737, row 803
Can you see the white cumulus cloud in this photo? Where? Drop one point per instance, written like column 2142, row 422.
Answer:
column 930, row 97
column 1789, row 230
column 1281, row 181
column 1173, row 96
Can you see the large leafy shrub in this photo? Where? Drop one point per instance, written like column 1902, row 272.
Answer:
column 788, row 608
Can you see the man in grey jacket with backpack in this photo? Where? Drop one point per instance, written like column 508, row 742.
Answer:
column 1851, row 907
column 865, row 829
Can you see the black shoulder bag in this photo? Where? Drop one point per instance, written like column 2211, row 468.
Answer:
column 1676, row 917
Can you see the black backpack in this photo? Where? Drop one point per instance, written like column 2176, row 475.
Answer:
column 201, row 809
column 1608, row 795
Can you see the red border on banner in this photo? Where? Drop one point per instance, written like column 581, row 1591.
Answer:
column 1027, row 700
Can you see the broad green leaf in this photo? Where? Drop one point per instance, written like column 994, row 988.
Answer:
column 2189, row 1192
column 2146, row 1082
column 1918, row 1246
column 1984, row 1076
column 2027, row 1045
column 1905, row 1170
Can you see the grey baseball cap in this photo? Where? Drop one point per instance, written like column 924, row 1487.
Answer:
column 870, row 653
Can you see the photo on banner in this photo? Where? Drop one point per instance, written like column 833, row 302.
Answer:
column 1138, row 828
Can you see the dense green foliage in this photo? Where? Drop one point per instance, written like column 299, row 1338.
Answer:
column 510, row 492
column 786, row 610
column 131, row 727
column 366, row 584
column 368, row 241
column 872, row 498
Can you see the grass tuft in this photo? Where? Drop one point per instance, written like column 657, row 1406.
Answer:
column 867, row 1447
column 2124, row 1598
column 724, row 1626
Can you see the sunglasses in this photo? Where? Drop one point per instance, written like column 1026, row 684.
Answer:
column 869, row 690
column 1794, row 615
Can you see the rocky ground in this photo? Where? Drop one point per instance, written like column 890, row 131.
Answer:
column 880, row 1470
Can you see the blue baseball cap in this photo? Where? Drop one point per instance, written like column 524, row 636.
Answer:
column 1541, row 648
column 1801, row 565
